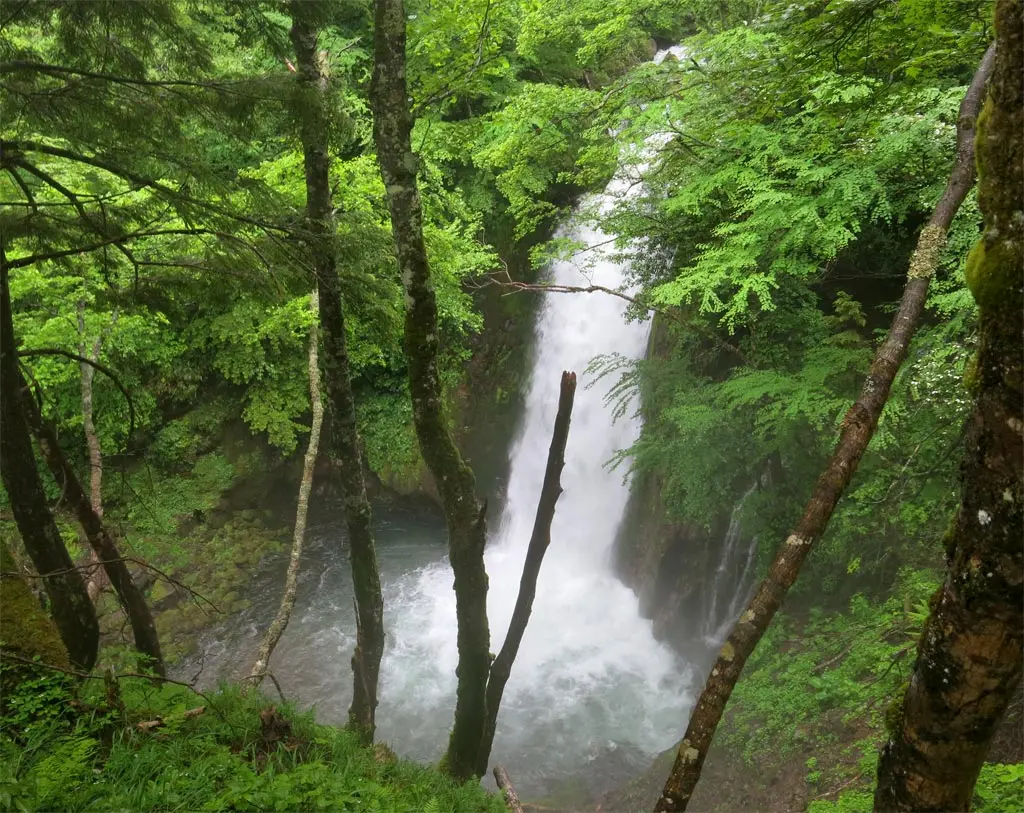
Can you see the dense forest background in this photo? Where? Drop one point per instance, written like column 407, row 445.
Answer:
column 153, row 199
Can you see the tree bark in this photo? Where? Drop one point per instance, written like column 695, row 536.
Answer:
column 27, row 630
column 103, row 546
column 501, row 669
column 92, row 440
column 505, row 783
column 313, row 113
column 970, row 652
column 857, row 428
column 284, row 612
column 465, row 516
column 69, row 602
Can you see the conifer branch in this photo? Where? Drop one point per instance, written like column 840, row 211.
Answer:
column 20, row 65
column 10, row 153
column 32, row 259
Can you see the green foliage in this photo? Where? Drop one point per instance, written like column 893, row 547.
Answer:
column 531, row 145
column 849, row 801
column 157, row 195
column 834, row 668
column 1000, row 789
column 219, row 760
column 799, row 157
column 385, row 423
column 39, row 701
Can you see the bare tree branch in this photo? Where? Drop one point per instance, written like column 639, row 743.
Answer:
column 540, row 539
column 515, row 286
column 89, row 567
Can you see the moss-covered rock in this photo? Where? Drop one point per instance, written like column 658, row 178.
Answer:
column 24, row 628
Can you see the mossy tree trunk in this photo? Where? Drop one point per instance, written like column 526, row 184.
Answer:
column 858, row 427
column 313, row 110
column 102, row 543
column 465, row 516
column 969, row 655
column 25, row 630
column 70, row 606
column 480, row 685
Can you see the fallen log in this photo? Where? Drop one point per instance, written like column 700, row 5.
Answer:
column 152, row 725
column 511, row 797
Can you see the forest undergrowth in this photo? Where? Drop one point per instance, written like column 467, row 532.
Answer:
column 142, row 746
column 804, row 727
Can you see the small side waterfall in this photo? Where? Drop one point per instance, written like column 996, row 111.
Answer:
column 733, row 577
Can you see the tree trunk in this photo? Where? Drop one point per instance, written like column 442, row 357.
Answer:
column 313, row 112
column 501, row 669
column 969, row 655
column 284, row 612
column 105, row 550
column 467, row 532
column 97, row 579
column 69, row 602
column 857, row 428
column 505, row 783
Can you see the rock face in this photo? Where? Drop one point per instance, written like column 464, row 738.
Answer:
column 672, row 566
column 688, row 577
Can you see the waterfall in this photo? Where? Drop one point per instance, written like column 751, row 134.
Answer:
column 593, row 696
column 733, row 577
column 590, row 677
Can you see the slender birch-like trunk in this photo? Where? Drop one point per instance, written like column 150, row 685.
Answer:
column 284, row 612
column 97, row 580
column 857, row 429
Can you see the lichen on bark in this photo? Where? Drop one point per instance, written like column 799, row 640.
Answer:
column 969, row 659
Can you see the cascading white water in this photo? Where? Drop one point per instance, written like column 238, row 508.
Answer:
column 733, row 577
column 592, row 696
column 590, row 675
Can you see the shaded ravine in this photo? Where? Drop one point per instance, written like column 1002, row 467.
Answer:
column 592, row 696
